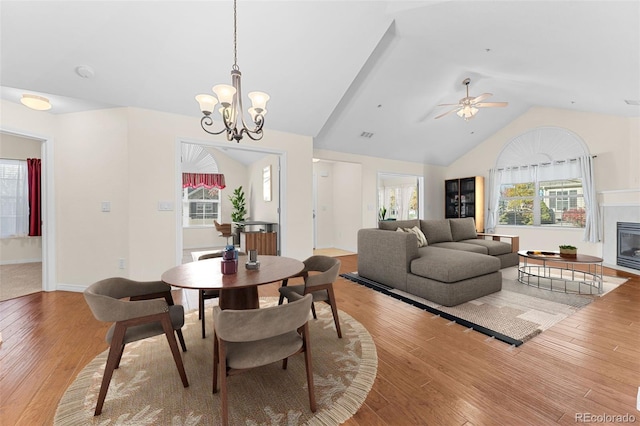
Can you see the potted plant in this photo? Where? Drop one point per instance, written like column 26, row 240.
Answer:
column 568, row 251
column 239, row 211
column 382, row 213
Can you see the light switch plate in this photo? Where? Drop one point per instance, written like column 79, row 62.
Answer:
column 105, row 206
column 165, row 206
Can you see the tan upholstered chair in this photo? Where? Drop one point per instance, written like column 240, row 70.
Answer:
column 148, row 312
column 319, row 273
column 224, row 230
column 252, row 338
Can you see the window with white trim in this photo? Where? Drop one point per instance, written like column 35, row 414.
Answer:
column 538, row 181
column 200, row 206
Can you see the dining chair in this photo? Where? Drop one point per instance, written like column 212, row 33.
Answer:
column 250, row 338
column 206, row 294
column 224, row 230
column 149, row 311
column 319, row 273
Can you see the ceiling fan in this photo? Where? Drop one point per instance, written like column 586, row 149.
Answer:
column 468, row 106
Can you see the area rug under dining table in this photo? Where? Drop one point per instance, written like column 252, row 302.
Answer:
column 146, row 389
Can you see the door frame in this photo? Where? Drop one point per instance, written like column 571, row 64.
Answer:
column 47, row 206
column 282, row 181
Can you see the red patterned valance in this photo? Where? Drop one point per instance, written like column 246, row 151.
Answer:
column 208, row 180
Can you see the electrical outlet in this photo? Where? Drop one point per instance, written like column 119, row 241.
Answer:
column 121, row 264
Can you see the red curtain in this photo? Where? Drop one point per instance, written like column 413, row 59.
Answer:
column 35, row 217
column 208, row 180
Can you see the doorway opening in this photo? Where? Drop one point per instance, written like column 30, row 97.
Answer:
column 242, row 166
column 36, row 254
column 399, row 196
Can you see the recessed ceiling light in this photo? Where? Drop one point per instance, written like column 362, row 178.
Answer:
column 36, row 102
column 315, row 160
column 632, row 102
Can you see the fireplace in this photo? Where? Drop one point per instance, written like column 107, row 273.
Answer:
column 629, row 244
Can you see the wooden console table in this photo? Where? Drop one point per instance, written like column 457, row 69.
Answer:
column 265, row 242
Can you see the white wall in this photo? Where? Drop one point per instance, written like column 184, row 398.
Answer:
column 24, row 249
column 130, row 155
column 259, row 209
column 614, row 140
column 323, row 172
column 347, row 198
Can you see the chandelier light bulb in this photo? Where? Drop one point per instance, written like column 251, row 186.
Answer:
column 207, row 103
column 259, row 101
column 225, row 94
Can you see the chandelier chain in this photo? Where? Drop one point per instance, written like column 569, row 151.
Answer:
column 235, row 36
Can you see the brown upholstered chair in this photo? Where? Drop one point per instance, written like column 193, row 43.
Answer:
column 319, row 284
column 148, row 312
column 250, row 338
column 224, row 230
column 206, row 294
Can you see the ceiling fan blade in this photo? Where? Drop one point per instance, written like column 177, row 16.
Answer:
column 491, row 104
column 481, row 97
column 449, row 104
column 447, row 113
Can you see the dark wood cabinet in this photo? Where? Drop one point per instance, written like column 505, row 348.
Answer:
column 465, row 198
column 264, row 242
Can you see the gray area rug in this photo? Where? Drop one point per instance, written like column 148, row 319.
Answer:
column 515, row 314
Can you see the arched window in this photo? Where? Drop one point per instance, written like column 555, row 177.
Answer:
column 201, row 185
column 544, row 177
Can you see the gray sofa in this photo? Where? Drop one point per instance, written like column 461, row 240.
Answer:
column 456, row 264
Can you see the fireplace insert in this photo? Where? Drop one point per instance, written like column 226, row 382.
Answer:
column 629, row 245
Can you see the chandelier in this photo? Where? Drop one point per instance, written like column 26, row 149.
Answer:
column 230, row 99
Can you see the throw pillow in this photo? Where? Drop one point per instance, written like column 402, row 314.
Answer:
column 463, row 229
column 422, row 240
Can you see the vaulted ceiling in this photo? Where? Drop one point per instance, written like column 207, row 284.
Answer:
column 334, row 69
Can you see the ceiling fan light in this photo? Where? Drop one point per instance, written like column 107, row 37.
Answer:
column 35, row 102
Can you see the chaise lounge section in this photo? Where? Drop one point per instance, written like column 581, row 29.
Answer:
column 454, row 265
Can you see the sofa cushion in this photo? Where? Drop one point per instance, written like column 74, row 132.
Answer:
column 422, row 240
column 458, row 245
column 436, row 231
column 494, row 248
column 463, row 229
column 392, row 225
column 450, row 266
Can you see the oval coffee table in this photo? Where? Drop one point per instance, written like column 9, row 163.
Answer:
column 550, row 271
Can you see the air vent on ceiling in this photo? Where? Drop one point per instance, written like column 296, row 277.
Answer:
column 632, row 102
column 367, row 135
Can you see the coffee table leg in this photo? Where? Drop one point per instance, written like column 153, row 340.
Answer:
column 239, row 298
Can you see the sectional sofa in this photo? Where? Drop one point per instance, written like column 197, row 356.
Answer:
column 446, row 261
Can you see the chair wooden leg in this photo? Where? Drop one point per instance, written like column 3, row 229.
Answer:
column 119, row 356
column 201, row 310
column 284, row 284
column 183, row 345
column 284, row 363
column 334, row 310
column 171, row 338
column 224, row 411
column 313, row 311
column 216, row 361
column 309, row 368
column 115, row 353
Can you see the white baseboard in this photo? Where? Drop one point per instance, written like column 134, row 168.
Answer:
column 71, row 287
column 18, row 261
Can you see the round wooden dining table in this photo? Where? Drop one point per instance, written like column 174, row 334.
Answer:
column 239, row 290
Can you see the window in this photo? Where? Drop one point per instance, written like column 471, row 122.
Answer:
column 200, row 206
column 401, row 202
column 544, row 177
column 14, row 199
column 557, row 203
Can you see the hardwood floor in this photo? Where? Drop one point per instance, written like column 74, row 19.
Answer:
column 429, row 371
